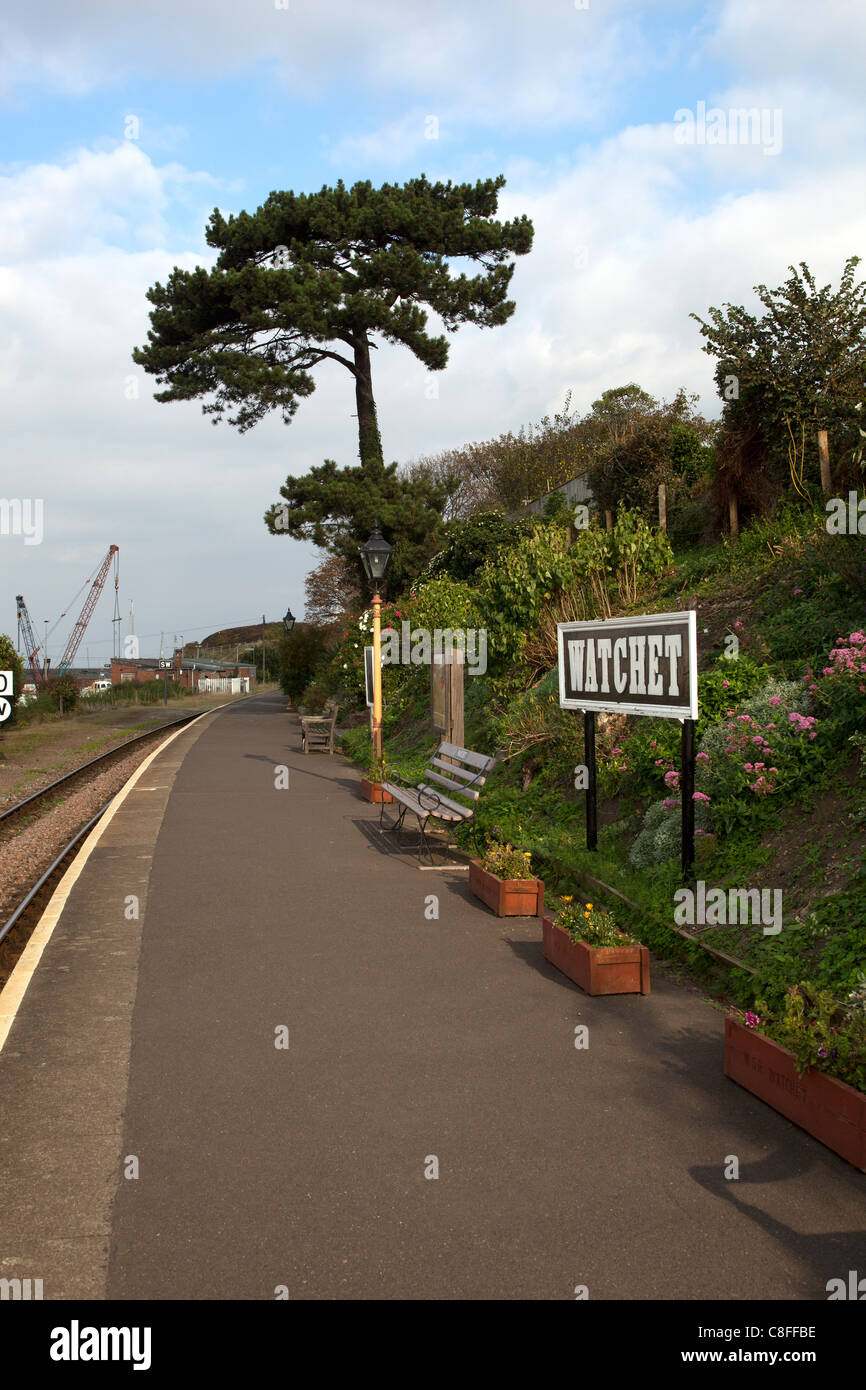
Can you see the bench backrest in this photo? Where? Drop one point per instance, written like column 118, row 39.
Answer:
column 466, row 771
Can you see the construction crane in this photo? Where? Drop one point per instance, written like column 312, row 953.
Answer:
column 87, row 611
column 31, row 646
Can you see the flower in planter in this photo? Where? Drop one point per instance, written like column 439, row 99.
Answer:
column 503, row 861
column 592, row 925
column 822, row 1032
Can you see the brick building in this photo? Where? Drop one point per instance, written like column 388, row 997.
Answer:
column 186, row 672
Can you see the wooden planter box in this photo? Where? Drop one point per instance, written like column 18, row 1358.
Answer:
column 507, row 897
column 597, row 969
column 826, row 1108
column 372, row 791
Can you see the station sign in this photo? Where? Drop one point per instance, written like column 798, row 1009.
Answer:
column 644, row 665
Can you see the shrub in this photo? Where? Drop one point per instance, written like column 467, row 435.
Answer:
column 660, row 839
column 821, row 1031
column 302, row 652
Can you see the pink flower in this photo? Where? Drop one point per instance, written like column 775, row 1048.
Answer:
column 775, row 700
column 748, row 767
column 797, row 591
column 751, row 1020
column 701, row 796
column 703, row 757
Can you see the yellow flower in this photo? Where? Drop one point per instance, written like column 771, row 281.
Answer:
column 527, row 855
column 589, row 905
column 568, row 899
column 586, row 914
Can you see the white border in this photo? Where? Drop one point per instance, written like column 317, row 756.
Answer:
column 608, row 706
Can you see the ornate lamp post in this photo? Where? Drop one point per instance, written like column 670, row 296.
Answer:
column 288, row 621
column 375, row 557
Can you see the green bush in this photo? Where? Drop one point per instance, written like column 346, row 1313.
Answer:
column 660, row 839
column 823, row 1032
column 302, row 652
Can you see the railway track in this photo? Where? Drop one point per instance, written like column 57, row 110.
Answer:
column 18, row 920
column 29, row 809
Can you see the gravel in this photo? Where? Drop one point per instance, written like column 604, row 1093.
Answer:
column 25, row 857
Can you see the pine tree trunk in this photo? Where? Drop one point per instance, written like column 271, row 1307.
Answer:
column 734, row 516
column 369, row 440
column 608, row 519
column 824, row 456
column 663, row 507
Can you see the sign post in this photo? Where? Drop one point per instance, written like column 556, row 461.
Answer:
column 446, row 694
column 591, row 784
column 165, row 666
column 643, row 665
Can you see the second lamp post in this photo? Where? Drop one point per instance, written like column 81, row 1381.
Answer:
column 375, row 556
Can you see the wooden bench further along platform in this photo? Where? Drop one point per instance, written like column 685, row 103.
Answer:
column 317, row 730
column 461, row 770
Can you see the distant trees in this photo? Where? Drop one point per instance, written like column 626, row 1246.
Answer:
column 300, row 655
column 645, row 444
column 330, row 590
column 505, row 473
column 791, row 381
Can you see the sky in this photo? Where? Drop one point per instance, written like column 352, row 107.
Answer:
column 123, row 127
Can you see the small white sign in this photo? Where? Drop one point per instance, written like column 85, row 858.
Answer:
column 6, row 688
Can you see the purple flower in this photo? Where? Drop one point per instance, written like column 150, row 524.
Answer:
column 752, row 1020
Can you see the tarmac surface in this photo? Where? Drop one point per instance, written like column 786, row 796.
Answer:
column 248, row 1089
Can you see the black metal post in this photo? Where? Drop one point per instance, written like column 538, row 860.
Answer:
column 687, row 791
column 591, row 791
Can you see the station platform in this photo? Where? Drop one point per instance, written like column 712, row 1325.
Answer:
column 249, row 1056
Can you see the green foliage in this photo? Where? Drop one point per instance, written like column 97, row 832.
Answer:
column 594, row 926
column 63, row 687
column 821, row 1031
column 513, row 587
column 471, row 541
column 307, row 277
column 725, row 685
column 301, row 653
column 660, row 840
column 505, row 862
column 445, row 603
column 797, row 369
column 337, row 508
column 650, row 445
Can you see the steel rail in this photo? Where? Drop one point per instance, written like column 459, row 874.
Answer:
column 25, row 902
column 76, row 771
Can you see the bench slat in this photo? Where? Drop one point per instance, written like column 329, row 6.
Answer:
column 453, row 786
column 465, row 811
column 408, row 796
column 456, row 771
column 465, row 755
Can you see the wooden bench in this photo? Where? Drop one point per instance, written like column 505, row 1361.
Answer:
column 461, row 771
column 317, row 730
